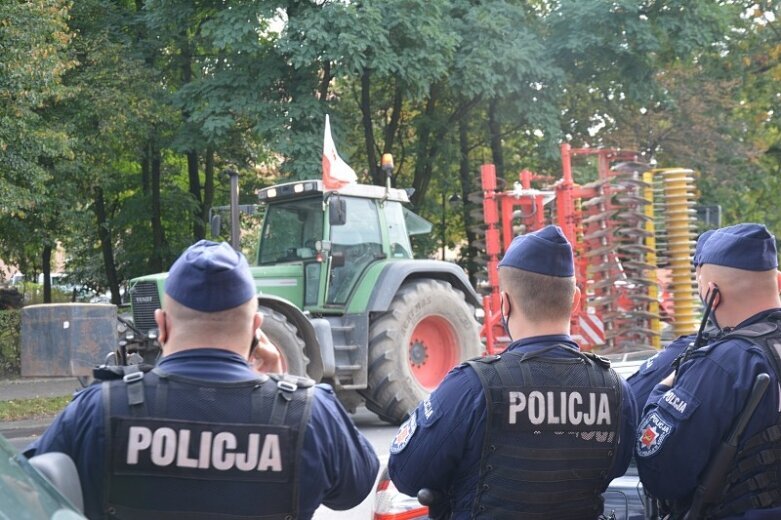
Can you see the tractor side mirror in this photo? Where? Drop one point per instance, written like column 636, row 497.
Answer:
column 337, row 259
column 337, row 211
column 216, row 225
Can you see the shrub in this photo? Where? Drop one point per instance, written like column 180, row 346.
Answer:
column 10, row 353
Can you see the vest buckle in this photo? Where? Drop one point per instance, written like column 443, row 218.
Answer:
column 133, row 377
column 287, row 386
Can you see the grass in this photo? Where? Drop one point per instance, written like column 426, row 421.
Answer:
column 19, row 409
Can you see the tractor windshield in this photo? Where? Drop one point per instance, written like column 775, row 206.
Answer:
column 358, row 242
column 290, row 231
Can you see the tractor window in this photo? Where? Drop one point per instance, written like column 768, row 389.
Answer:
column 397, row 231
column 359, row 242
column 290, row 231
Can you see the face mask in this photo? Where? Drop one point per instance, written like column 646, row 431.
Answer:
column 709, row 299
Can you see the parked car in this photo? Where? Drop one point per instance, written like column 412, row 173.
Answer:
column 26, row 494
column 624, row 498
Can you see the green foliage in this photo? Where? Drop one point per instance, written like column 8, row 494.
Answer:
column 20, row 409
column 33, row 38
column 10, row 355
column 96, row 95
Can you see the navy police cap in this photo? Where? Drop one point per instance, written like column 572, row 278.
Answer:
column 698, row 248
column 210, row 277
column 750, row 247
column 546, row 251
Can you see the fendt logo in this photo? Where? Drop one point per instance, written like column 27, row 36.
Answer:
column 143, row 299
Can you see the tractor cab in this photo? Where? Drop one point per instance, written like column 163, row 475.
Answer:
column 342, row 297
column 315, row 245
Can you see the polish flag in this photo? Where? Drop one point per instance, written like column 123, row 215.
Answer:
column 336, row 172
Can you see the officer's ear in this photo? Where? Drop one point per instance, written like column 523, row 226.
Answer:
column 778, row 280
column 257, row 320
column 575, row 300
column 715, row 293
column 162, row 325
column 504, row 304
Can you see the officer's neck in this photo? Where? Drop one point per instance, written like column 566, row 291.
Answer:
column 731, row 317
column 522, row 328
column 172, row 347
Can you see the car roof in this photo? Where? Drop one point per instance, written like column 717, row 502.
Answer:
column 627, row 363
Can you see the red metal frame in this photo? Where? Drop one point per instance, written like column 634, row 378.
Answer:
column 500, row 208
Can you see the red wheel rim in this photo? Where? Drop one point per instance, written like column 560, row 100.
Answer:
column 432, row 351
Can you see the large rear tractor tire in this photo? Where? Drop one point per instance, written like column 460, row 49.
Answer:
column 284, row 335
column 428, row 329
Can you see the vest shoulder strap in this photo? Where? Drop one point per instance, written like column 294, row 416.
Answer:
column 762, row 488
column 766, row 335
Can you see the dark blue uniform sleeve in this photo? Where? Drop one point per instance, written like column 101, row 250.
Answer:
column 626, row 443
column 78, row 432
column 338, row 466
column 444, row 433
column 683, row 426
column 655, row 369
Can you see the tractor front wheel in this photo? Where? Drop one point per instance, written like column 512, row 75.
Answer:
column 285, row 336
column 428, row 329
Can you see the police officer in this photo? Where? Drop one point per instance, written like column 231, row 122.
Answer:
column 536, row 432
column 203, row 435
column 691, row 412
column 659, row 366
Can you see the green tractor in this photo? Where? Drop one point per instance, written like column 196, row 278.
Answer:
column 344, row 300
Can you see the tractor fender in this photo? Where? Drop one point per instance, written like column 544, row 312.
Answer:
column 317, row 338
column 394, row 274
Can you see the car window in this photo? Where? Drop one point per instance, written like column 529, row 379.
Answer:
column 25, row 494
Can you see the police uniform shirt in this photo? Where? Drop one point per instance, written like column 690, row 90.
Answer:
column 338, row 465
column 440, row 446
column 655, row 369
column 683, row 426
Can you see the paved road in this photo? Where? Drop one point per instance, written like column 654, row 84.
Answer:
column 379, row 434
column 28, row 388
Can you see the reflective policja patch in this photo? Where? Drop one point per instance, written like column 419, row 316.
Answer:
column 653, row 432
column 405, row 434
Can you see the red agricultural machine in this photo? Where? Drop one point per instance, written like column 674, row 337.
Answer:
column 632, row 229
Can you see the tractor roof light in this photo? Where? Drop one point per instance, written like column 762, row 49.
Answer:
column 266, row 194
column 387, row 161
column 288, row 190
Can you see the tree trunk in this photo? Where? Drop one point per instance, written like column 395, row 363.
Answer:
column 393, row 124
column 106, row 246
column 422, row 168
column 46, row 269
column 193, row 177
column 434, row 134
column 195, row 190
column 368, row 129
column 145, row 160
column 158, row 236
column 208, row 185
column 467, row 186
column 495, row 136
column 324, row 84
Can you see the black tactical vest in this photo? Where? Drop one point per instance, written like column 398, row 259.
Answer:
column 552, row 430
column 181, row 448
column 755, row 480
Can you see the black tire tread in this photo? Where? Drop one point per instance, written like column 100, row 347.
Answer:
column 290, row 330
column 389, row 389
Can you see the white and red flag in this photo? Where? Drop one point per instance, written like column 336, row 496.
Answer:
column 336, row 172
